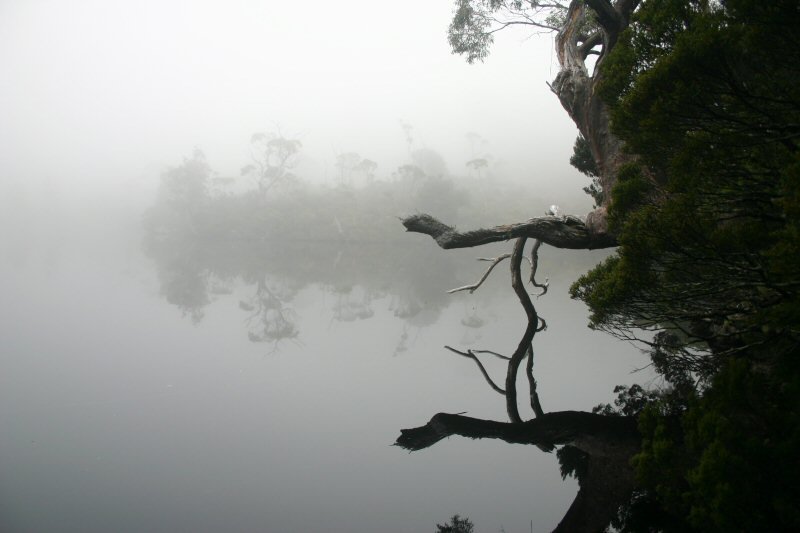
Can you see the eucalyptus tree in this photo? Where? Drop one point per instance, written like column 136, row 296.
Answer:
column 273, row 157
column 688, row 115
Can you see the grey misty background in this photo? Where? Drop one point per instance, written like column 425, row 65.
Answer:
column 139, row 391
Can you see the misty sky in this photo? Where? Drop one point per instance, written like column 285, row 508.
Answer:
column 108, row 93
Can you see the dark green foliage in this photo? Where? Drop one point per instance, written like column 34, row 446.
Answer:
column 731, row 463
column 583, row 160
column 630, row 401
column 456, row 525
column 705, row 94
column 572, row 461
column 645, row 514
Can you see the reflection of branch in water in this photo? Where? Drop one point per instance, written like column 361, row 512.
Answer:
column 269, row 320
column 472, row 288
column 524, row 350
column 469, row 354
column 402, row 343
column 534, row 262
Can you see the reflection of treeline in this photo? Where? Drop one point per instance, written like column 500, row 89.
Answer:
column 205, row 239
column 192, row 201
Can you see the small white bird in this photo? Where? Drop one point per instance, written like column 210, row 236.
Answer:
column 554, row 210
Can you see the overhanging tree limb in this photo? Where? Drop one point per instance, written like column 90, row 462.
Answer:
column 561, row 232
column 595, row 434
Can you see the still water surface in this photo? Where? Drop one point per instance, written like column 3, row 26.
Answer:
column 181, row 391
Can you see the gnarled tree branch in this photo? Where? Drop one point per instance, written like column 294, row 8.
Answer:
column 597, row 435
column 561, row 232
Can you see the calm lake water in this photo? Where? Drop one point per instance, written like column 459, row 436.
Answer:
column 188, row 389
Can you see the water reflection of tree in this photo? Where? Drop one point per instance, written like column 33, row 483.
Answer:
column 183, row 281
column 343, row 240
column 352, row 303
column 270, row 319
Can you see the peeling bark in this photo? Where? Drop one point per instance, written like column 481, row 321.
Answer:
column 577, row 89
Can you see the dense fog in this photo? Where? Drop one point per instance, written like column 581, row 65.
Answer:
column 212, row 318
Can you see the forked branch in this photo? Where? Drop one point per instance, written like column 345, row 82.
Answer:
column 469, row 354
column 472, row 288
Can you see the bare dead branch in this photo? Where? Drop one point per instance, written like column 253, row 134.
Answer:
column 595, row 434
column 469, row 354
column 527, row 337
column 501, row 356
column 472, row 288
column 534, row 260
column 561, row 232
column 535, row 404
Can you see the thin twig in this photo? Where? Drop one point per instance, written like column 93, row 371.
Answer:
column 469, row 354
column 501, row 356
column 472, row 288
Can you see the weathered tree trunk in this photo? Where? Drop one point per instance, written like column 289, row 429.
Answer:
column 561, row 232
column 577, row 89
column 607, row 483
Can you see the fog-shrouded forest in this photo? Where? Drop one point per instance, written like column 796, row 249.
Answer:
column 254, row 253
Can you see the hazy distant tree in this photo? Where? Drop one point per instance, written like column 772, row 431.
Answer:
column 346, row 164
column 186, row 186
column 407, row 136
column 479, row 154
column 410, row 174
column 182, row 197
column 273, row 157
column 430, row 162
column 478, row 165
column 456, row 525
column 366, row 169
